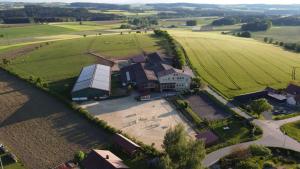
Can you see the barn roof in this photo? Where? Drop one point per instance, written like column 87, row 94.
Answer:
column 103, row 159
column 94, row 76
column 293, row 89
column 127, row 145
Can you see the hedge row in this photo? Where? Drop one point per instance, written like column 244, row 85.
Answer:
column 148, row 150
column 175, row 47
column 187, row 110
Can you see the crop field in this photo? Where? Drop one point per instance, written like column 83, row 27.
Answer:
column 283, row 33
column 58, row 61
column 41, row 131
column 235, row 66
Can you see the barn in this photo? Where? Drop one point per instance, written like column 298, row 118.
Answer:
column 94, row 82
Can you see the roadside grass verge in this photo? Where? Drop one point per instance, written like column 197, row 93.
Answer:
column 292, row 130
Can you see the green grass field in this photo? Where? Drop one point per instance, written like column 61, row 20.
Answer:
column 180, row 22
column 283, row 33
column 59, row 62
column 235, row 65
column 292, row 130
column 28, row 33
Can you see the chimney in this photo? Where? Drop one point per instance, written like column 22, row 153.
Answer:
column 107, row 156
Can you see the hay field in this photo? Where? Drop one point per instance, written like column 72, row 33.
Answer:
column 235, row 65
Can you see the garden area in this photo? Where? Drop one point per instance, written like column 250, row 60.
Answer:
column 260, row 157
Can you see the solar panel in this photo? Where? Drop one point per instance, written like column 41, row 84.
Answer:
column 94, row 76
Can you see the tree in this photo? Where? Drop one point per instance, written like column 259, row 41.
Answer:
column 260, row 105
column 191, row 23
column 181, row 152
column 271, row 40
column 266, row 39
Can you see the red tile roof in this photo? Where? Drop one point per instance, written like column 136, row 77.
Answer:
column 126, row 144
column 98, row 159
column 208, row 136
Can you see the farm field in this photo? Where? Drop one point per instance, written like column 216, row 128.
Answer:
column 58, row 63
column 235, row 66
column 182, row 21
column 30, row 32
column 292, row 130
column 282, row 33
column 125, row 13
column 40, row 130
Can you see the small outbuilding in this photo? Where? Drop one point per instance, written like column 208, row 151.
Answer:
column 103, row 159
column 94, row 82
column 126, row 144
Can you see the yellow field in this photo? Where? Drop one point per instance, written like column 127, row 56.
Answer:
column 235, row 65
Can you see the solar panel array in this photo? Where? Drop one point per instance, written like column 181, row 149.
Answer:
column 93, row 76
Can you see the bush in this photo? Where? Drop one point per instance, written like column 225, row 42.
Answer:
column 79, row 156
column 247, row 165
column 258, row 150
column 268, row 165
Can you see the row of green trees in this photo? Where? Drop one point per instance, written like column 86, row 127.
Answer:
column 175, row 48
column 288, row 46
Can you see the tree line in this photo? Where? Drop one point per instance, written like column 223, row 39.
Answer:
column 176, row 50
column 40, row 14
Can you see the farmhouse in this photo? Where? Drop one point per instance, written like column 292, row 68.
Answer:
column 94, row 82
column 105, row 159
column 155, row 74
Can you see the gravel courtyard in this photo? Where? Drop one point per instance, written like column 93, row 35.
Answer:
column 147, row 121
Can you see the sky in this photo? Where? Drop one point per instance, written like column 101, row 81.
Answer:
column 171, row 1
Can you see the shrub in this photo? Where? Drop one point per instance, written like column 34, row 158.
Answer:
column 268, row 165
column 79, row 156
column 247, row 165
column 258, row 150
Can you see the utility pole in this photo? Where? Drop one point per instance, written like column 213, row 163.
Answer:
column 284, row 139
column 1, row 163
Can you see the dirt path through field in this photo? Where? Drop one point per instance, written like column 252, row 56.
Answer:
column 40, row 130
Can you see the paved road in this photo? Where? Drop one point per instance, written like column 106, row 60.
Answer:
column 272, row 135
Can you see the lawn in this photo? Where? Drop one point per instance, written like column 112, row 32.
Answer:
column 58, row 63
column 282, row 33
column 292, row 130
column 10, row 165
column 235, row 66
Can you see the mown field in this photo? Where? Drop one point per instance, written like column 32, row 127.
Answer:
column 235, row 65
column 29, row 32
column 57, row 63
column 292, row 130
column 283, row 33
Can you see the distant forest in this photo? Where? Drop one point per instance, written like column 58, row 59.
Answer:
column 40, row 14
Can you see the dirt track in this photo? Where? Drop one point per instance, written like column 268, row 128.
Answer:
column 41, row 131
